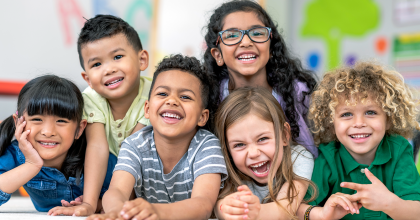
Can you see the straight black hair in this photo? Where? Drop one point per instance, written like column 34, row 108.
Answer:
column 51, row 95
column 102, row 26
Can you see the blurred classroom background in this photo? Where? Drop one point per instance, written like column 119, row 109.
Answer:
column 39, row 37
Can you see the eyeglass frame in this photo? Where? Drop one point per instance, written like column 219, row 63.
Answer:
column 243, row 34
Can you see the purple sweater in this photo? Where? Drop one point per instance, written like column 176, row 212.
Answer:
column 305, row 136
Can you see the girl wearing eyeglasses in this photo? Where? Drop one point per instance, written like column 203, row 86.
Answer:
column 245, row 49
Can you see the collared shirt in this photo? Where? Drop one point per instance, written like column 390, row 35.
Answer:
column 49, row 186
column 393, row 165
column 97, row 110
column 305, row 135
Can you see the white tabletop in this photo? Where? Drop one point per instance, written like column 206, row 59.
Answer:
column 22, row 208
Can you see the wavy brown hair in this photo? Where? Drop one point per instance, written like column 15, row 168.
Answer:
column 260, row 102
column 365, row 80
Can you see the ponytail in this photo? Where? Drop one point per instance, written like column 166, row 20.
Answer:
column 7, row 130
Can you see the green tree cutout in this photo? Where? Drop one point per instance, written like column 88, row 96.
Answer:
column 332, row 20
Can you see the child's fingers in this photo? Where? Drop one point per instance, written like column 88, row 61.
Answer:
column 235, row 203
column 353, row 186
column 243, row 188
column 23, row 137
column 19, row 127
column 129, row 213
column 236, row 217
column 65, row 203
column 343, row 202
column 144, row 214
column 250, row 199
column 79, row 199
column 234, row 210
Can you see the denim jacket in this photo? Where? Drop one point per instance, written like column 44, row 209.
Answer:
column 49, row 186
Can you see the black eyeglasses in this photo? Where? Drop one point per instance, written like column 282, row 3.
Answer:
column 234, row 36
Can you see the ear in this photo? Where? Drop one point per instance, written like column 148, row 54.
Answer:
column 146, row 109
column 86, row 78
column 203, row 118
column 15, row 118
column 143, row 59
column 82, row 127
column 286, row 131
column 217, row 55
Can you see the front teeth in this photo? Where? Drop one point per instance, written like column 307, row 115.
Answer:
column 247, row 57
column 254, row 168
column 360, row 136
column 113, row 82
column 48, row 143
column 170, row 115
column 258, row 165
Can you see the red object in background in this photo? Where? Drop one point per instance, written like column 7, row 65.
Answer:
column 10, row 88
column 23, row 192
column 381, row 45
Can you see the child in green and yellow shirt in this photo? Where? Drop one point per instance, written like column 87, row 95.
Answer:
column 362, row 116
column 112, row 58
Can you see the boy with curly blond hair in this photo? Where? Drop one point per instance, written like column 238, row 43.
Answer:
column 361, row 118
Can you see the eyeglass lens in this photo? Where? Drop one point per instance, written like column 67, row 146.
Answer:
column 234, row 36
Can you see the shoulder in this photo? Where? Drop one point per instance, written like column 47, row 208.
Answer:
column 12, row 155
column 140, row 140
column 91, row 93
column 398, row 145
column 146, row 83
column 328, row 150
column 301, row 153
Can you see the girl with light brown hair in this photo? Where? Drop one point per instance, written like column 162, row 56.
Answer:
column 268, row 175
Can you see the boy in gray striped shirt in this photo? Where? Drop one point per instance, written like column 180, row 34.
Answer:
column 175, row 167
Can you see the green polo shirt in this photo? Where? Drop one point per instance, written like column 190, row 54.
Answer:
column 393, row 165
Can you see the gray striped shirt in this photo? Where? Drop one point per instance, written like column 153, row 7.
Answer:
column 139, row 157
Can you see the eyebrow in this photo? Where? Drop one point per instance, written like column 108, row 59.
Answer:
column 253, row 26
column 179, row 90
column 114, row 51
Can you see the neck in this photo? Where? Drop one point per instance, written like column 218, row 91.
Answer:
column 171, row 150
column 56, row 163
column 259, row 79
column 120, row 106
column 366, row 158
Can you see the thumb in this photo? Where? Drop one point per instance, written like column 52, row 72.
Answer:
column 371, row 177
column 243, row 188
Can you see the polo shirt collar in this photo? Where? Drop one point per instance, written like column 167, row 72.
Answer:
column 382, row 156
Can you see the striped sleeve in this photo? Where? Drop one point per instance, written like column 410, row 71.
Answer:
column 209, row 159
column 129, row 161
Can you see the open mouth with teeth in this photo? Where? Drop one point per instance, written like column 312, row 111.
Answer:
column 171, row 118
column 359, row 136
column 247, row 57
column 48, row 144
column 114, row 82
column 260, row 169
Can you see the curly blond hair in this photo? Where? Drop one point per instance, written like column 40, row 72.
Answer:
column 364, row 80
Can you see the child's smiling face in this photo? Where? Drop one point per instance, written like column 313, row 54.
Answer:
column 112, row 67
column 247, row 57
column 360, row 128
column 175, row 107
column 252, row 145
column 52, row 136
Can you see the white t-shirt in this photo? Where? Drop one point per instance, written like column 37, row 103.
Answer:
column 303, row 166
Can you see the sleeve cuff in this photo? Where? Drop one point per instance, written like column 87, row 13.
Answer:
column 4, row 197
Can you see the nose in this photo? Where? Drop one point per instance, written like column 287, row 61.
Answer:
column 253, row 151
column 246, row 41
column 48, row 130
column 359, row 122
column 172, row 101
column 110, row 69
